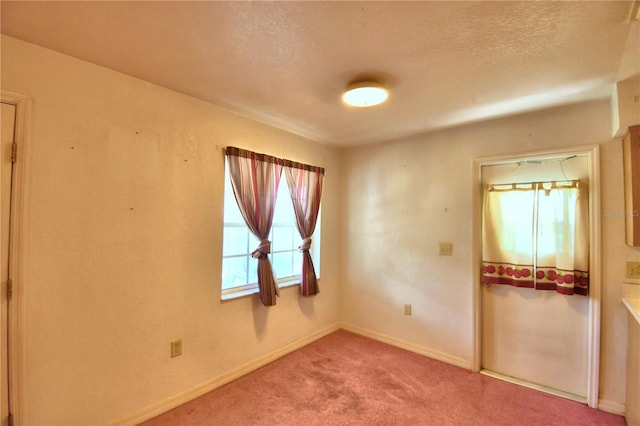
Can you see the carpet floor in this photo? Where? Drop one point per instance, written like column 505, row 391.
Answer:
column 347, row 379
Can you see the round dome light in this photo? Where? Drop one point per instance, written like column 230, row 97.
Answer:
column 365, row 94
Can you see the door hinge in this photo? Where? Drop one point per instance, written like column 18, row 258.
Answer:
column 10, row 419
column 9, row 289
column 14, row 152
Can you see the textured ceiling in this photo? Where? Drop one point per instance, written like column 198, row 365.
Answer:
column 286, row 63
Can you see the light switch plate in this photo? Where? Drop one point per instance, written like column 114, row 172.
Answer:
column 633, row 270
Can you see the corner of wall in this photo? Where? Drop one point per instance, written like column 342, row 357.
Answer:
column 625, row 105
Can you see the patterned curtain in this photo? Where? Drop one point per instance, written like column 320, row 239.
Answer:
column 537, row 235
column 254, row 179
column 305, row 187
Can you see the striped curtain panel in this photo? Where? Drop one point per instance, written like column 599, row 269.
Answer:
column 537, row 235
column 254, row 179
column 305, row 187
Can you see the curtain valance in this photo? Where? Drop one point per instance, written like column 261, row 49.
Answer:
column 239, row 152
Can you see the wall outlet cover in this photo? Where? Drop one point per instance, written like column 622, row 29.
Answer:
column 407, row 309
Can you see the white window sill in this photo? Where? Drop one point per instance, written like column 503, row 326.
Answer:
column 239, row 294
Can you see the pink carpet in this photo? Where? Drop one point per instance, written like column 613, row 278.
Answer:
column 347, row 379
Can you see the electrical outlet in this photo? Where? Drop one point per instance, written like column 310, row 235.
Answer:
column 407, row 309
column 633, row 270
column 176, row 348
column 446, row 249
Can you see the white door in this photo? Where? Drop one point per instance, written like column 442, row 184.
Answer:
column 538, row 337
column 7, row 130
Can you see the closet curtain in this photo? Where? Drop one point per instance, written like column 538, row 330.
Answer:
column 537, row 235
column 305, row 188
column 254, row 179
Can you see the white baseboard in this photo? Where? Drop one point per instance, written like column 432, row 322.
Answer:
column 541, row 388
column 428, row 352
column 190, row 394
column 612, row 407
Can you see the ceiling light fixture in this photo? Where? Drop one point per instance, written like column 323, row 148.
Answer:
column 365, row 94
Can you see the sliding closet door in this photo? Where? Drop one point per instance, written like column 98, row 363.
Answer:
column 536, row 336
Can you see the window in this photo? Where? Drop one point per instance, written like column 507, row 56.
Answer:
column 536, row 235
column 239, row 268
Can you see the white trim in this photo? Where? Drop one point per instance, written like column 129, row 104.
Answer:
column 541, row 388
column 595, row 273
column 222, row 379
column 428, row 352
column 231, row 295
column 16, row 258
column 476, row 261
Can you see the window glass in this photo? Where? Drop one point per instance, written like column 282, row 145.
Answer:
column 236, row 240
column 282, row 237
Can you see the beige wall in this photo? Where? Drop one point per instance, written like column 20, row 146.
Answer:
column 122, row 242
column 633, row 375
column 402, row 199
column 123, row 224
